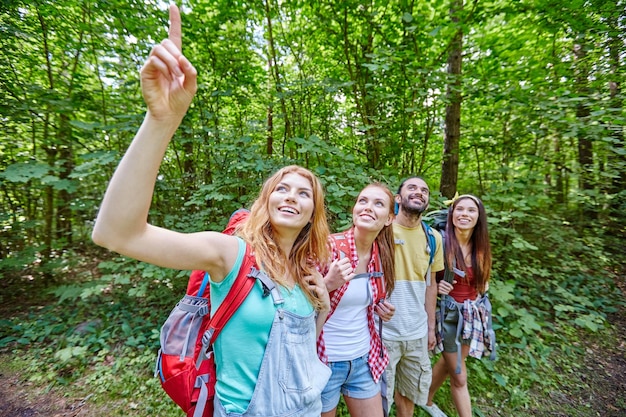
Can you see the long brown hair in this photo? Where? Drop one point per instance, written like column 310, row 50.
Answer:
column 481, row 248
column 310, row 247
column 386, row 242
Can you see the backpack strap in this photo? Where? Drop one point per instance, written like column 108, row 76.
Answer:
column 344, row 248
column 236, row 295
column 447, row 302
column 431, row 248
column 431, row 241
column 342, row 244
column 381, row 290
column 239, row 291
column 380, row 282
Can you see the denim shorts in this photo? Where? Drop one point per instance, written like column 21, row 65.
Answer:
column 352, row 379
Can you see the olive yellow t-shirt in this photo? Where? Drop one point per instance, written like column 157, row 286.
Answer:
column 411, row 264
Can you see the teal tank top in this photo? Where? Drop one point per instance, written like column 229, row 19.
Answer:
column 239, row 349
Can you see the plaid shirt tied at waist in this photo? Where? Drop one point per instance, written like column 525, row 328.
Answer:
column 474, row 325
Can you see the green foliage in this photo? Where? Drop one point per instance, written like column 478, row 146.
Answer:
column 103, row 333
column 356, row 93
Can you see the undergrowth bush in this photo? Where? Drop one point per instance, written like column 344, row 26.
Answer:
column 548, row 287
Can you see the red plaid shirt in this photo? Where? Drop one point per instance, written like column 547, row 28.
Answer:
column 377, row 361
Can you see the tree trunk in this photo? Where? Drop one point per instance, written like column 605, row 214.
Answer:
column 585, row 145
column 450, row 165
column 559, row 187
column 64, row 196
column 617, row 157
column 272, row 61
column 357, row 54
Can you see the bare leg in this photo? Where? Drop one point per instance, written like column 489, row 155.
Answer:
column 404, row 406
column 458, row 382
column 330, row 413
column 440, row 373
column 369, row 407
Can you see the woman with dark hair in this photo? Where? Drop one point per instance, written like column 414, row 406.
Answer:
column 463, row 321
column 265, row 358
column 350, row 342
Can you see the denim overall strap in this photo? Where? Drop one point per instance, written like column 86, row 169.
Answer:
column 291, row 377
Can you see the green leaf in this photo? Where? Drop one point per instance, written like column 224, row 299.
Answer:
column 23, row 172
column 66, row 354
column 499, row 379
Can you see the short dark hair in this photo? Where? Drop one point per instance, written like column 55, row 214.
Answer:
column 409, row 178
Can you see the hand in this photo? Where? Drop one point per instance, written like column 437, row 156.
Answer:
column 385, row 310
column 432, row 339
column 318, row 287
column 168, row 80
column 339, row 273
column 444, row 287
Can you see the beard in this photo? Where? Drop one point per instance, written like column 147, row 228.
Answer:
column 412, row 209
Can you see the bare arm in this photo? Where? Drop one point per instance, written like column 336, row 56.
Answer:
column 318, row 287
column 168, row 83
column 430, row 305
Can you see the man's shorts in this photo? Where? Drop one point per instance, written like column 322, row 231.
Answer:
column 350, row 378
column 409, row 371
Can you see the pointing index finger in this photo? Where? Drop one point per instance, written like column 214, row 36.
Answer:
column 175, row 32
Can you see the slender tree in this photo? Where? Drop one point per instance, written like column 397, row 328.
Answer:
column 450, row 164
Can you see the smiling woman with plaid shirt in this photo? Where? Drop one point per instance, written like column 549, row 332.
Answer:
column 358, row 280
column 464, row 319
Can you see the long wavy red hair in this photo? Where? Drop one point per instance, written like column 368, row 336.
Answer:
column 310, row 247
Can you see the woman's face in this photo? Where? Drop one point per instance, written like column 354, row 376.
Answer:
column 372, row 210
column 291, row 203
column 465, row 214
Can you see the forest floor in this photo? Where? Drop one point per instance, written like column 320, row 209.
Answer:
column 599, row 391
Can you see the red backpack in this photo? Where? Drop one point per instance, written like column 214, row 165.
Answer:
column 185, row 364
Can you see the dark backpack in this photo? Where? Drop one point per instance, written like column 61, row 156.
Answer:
column 437, row 219
column 185, row 364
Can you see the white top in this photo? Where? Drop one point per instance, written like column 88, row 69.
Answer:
column 346, row 334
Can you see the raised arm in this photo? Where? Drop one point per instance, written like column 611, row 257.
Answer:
column 168, row 80
column 168, row 84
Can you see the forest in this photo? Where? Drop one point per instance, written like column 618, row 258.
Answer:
column 519, row 102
